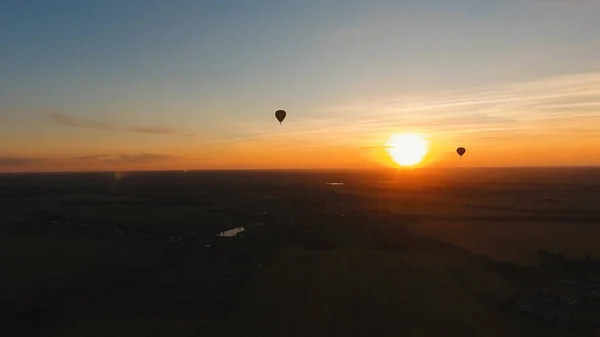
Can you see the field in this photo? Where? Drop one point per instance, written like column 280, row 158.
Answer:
column 361, row 292
column 413, row 253
column 506, row 214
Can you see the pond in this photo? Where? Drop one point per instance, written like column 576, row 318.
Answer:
column 231, row 232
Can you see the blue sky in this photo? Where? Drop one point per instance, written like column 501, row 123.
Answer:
column 219, row 69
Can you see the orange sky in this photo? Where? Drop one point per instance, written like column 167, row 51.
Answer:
column 538, row 149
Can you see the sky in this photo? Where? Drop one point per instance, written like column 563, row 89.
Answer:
column 182, row 84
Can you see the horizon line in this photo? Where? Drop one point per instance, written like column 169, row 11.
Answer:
column 310, row 169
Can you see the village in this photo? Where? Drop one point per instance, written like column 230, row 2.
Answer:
column 570, row 293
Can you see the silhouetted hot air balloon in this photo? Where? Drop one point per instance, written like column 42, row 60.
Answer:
column 461, row 151
column 280, row 115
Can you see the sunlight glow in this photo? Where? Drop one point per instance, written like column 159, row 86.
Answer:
column 407, row 149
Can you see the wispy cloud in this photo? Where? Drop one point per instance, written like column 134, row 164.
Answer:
column 92, row 157
column 63, row 119
column 153, row 130
column 561, row 104
column 576, row 96
column 143, row 158
column 19, row 161
column 77, row 122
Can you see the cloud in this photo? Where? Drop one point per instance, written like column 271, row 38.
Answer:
column 92, row 157
column 576, row 95
column 153, row 130
column 143, row 158
column 576, row 87
column 146, row 157
column 546, row 107
column 67, row 120
column 72, row 121
column 18, row 161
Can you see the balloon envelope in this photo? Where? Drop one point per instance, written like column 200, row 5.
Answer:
column 461, row 151
column 280, row 115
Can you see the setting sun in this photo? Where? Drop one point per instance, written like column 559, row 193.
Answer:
column 407, row 149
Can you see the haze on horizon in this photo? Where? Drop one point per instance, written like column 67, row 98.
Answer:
column 194, row 84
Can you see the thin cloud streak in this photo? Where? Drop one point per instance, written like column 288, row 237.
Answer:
column 63, row 119
column 519, row 102
column 18, row 161
column 153, row 130
column 560, row 104
column 92, row 157
column 142, row 158
column 72, row 121
column 87, row 162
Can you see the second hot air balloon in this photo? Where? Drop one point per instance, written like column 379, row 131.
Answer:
column 461, row 151
column 280, row 115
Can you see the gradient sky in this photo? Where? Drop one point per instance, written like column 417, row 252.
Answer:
column 131, row 84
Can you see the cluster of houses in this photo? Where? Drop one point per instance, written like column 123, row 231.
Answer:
column 553, row 306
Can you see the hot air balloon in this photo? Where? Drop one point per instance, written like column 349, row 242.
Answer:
column 280, row 115
column 461, row 151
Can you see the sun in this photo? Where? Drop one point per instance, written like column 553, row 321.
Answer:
column 407, row 149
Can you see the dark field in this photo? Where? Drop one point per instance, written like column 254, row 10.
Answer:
column 386, row 253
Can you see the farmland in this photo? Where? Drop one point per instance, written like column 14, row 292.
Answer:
column 419, row 254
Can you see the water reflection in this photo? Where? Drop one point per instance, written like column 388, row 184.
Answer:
column 231, row 232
